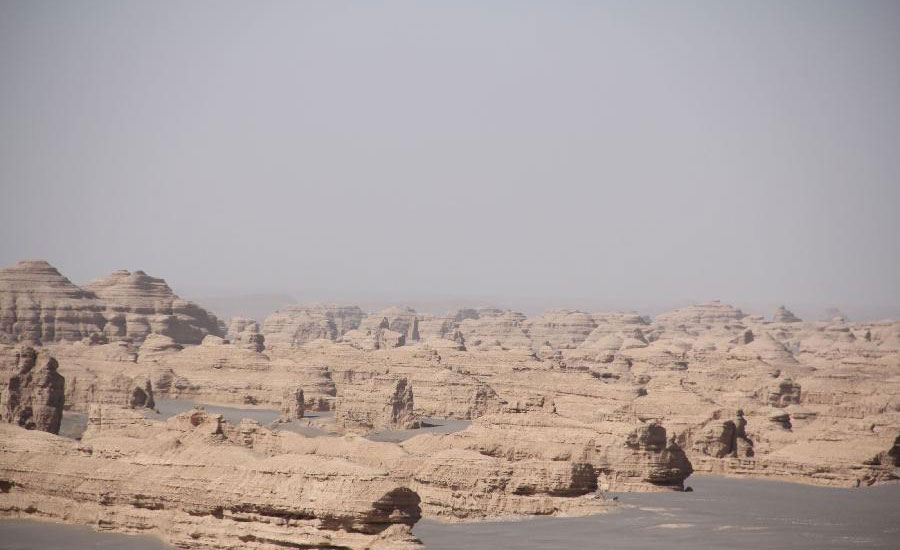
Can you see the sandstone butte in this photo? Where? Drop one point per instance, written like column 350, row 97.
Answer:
column 561, row 407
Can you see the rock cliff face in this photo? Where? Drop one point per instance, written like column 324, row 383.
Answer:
column 401, row 320
column 784, row 315
column 293, row 404
column 626, row 456
column 246, row 333
column 138, row 305
column 711, row 313
column 560, row 329
column 35, row 395
column 198, row 482
column 38, row 304
column 380, row 402
column 494, row 329
column 121, row 389
column 295, row 325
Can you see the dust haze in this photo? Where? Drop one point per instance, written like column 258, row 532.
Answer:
column 614, row 155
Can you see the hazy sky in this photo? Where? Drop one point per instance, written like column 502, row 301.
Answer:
column 599, row 151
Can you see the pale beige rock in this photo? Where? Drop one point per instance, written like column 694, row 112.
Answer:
column 38, row 304
column 35, row 395
column 195, row 481
column 492, row 329
column 379, row 402
column 138, row 305
column 401, row 320
column 559, row 328
column 293, row 326
column 293, row 404
column 246, row 333
column 784, row 315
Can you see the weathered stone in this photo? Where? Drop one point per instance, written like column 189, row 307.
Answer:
column 35, row 396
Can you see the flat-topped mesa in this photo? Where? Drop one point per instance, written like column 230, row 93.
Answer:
column 710, row 313
column 246, row 333
column 784, row 315
column 35, row 395
column 39, row 305
column 199, row 482
column 376, row 403
column 138, row 305
column 294, row 326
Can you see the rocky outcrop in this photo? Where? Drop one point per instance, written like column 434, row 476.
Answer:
column 784, row 315
column 625, row 456
column 559, row 328
column 461, row 484
column 441, row 331
column 370, row 339
column 723, row 437
column 246, row 333
column 380, row 402
column 138, row 305
column 293, row 404
column 488, row 329
column 39, row 305
column 647, row 457
column 401, row 320
column 120, row 389
column 198, row 482
column 35, row 395
column 704, row 315
column 781, row 394
column 294, row 326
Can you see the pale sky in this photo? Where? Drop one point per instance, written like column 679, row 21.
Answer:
column 607, row 152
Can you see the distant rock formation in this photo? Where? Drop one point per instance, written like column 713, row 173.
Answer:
column 296, row 325
column 710, row 313
column 246, row 333
column 35, row 396
column 138, row 305
column 487, row 329
column 402, row 320
column 782, row 393
column 560, row 328
column 293, row 404
column 376, row 403
column 784, row 315
column 39, row 305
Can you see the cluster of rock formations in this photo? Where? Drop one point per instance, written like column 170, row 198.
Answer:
column 563, row 407
column 40, row 305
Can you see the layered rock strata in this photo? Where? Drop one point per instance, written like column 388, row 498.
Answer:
column 35, row 394
column 198, row 482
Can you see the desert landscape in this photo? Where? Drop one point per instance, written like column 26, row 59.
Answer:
column 481, row 275
column 547, row 415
